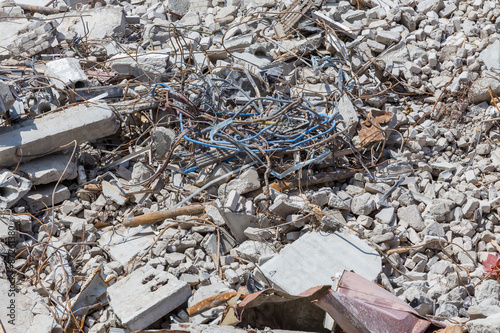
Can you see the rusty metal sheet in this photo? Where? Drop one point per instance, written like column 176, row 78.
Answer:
column 279, row 310
column 359, row 306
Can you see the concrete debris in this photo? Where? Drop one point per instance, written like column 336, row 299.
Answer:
column 206, row 150
column 314, row 259
column 154, row 292
column 53, row 131
column 12, row 188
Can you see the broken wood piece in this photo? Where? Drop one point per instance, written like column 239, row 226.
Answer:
column 162, row 215
column 38, row 9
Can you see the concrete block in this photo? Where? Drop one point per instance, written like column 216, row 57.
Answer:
column 238, row 42
column 480, row 92
column 66, row 72
column 283, row 207
column 387, row 37
column 41, row 198
column 12, row 188
column 412, row 216
column 48, row 169
column 375, row 46
column 314, row 258
column 144, row 67
column 251, row 62
column 145, row 296
column 48, row 133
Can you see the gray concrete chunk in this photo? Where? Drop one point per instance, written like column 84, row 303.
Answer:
column 6, row 98
column 12, row 188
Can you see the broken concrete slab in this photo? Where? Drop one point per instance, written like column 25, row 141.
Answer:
column 115, row 193
column 125, row 251
column 479, row 90
column 41, row 198
column 49, row 169
column 491, row 56
column 97, row 23
column 315, row 258
column 154, row 292
column 48, row 133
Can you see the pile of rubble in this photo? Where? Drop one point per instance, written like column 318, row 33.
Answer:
column 181, row 165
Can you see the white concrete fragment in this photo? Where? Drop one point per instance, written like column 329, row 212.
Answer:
column 248, row 181
column 491, row 56
column 232, row 200
column 112, row 191
column 95, row 24
column 124, row 251
column 314, row 258
column 412, row 216
column 145, row 296
column 238, row 222
column 146, row 66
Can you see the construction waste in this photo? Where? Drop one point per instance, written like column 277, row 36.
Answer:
column 249, row 166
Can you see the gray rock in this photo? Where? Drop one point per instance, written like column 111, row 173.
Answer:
column 479, row 90
column 440, row 208
column 491, row 56
column 385, row 216
column 363, row 204
column 487, row 289
column 490, row 324
column 447, row 310
column 442, row 267
column 246, row 182
column 489, row 306
column 412, row 216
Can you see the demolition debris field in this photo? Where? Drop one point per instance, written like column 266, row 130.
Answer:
column 265, row 165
